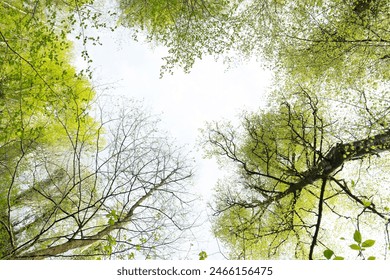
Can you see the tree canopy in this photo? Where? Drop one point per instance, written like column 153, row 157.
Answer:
column 78, row 181
column 305, row 165
column 296, row 184
column 311, row 39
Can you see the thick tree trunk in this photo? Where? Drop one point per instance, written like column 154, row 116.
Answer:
column 79, row 243
column 67, row 246
column 336, row 157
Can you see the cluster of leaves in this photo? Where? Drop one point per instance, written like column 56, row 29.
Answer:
column 202, row 255
column 341, row 39
column 359, row 246
column 187, row 28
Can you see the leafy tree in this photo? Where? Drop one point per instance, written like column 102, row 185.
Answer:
column 343, row 40
column 293, row 158
column 76, row 182
column 157, row 16
column 295, row 184
column 325, row 40
column 329, row 113
column 38, row 85
column 114, row 190
column 107, row 186
column 187, row 28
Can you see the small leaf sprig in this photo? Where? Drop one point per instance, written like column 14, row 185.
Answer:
column 360, row 246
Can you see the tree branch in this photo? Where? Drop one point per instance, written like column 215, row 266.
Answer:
column 88, row 240
column 335, row 158
column 319, row 217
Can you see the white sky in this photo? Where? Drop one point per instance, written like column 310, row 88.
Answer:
column 185, row 101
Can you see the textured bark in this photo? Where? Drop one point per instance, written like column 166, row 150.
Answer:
column 79, row 243
column 336, row 157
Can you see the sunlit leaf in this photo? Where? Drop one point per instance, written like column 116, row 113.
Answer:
column 366, row 203
column 357, row 236
column 328, row 254
column 368, row 243
column 355, row 247
column 202, row 255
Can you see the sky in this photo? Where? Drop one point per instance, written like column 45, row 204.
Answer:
column 210, row 92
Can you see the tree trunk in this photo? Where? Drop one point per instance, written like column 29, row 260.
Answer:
column 336, row 157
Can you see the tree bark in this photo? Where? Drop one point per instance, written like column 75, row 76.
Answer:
column 335, row 158
column 79, row 243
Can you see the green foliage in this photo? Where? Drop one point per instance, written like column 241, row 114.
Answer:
column 331, row 66
column 202, row 255
column 39, row 84
column 357, row 236
column 368, row 243
column 112, row 217
column 44, row 104
column 328, row 254
column 272, row 204
column 355, row 247
column 280, row 157
column 131, row 256
column 162, row 18
column 272, row 150
column 187, row 28
column 61, row 172
column 366, row 203
column 358, row 246
column 325, row 41
column 109, row 246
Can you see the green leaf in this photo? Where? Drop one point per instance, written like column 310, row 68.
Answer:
column 114, row 214
column 338, row 258
column 107, row 249
column 111, row 240
column 368, row 243
column 202, row 255
column 357, row 236
column 143, row 240
column 355, row 247
column 366, row 203
column 371, row 258
column 328, row 254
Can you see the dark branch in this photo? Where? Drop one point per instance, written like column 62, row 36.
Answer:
column 319, row 217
